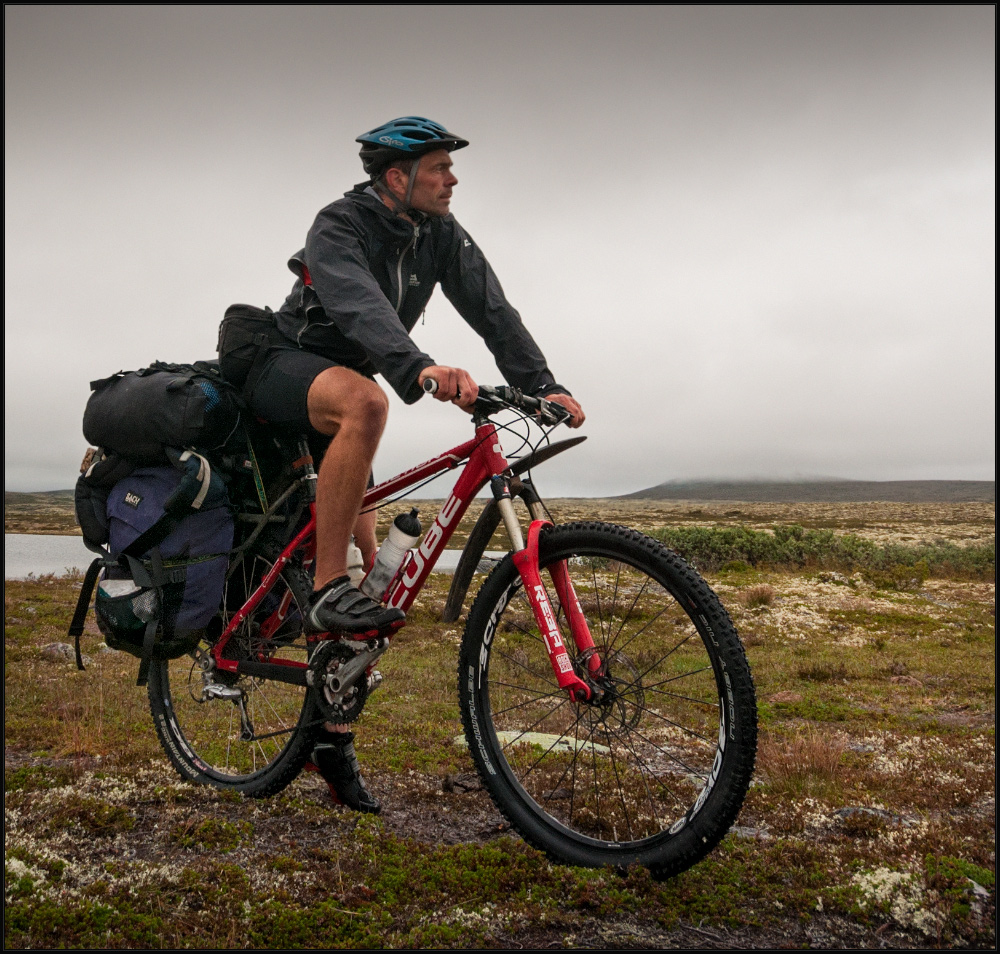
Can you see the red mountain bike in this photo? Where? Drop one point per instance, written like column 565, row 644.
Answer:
column 606, row 698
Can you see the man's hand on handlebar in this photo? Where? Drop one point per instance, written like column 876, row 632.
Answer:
column 453, row 384
column 456, row 385
column 571, row 405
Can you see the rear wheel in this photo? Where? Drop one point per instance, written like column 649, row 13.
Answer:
column 233, row 731
column 656, row 770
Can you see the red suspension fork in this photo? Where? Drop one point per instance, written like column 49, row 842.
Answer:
column 526, row 561
column 577, row 621
column 564, row 586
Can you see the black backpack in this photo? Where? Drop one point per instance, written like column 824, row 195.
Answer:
column 137, row 414
column 151, row 503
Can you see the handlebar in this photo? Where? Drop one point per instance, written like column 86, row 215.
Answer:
column 492, row 399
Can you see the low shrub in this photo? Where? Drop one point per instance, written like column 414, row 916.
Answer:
column 792, row 547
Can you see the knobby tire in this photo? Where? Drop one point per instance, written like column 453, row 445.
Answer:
column 655, row 774
column 202, row 738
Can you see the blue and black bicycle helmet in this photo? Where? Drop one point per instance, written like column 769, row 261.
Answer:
column 408, row 137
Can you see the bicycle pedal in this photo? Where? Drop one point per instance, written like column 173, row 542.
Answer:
column 376, row 633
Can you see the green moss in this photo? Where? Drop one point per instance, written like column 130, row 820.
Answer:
column 30, row 778
column 91, row 815
column 211, row 833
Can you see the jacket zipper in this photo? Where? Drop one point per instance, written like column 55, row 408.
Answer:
column 399, row 267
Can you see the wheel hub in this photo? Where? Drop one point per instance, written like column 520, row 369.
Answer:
column 619, row 701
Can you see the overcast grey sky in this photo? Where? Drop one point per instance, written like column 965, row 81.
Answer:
column 752, row 241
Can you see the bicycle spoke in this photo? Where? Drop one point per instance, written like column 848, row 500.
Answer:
column 638, row 633
column 625, row 618
column 614, row 598
column 600, row 613
column 527, row 702
column 667, row 655
column 526, row 731
column 640, row 764
column 683, row 675
column 659, row 780
column 545, row 676
column 621, row 794
column 670, row 755
column 581, row 744
column 676, row 695
column 597, row 785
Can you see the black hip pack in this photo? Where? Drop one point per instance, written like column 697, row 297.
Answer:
column 139, row 413
column 244, row 335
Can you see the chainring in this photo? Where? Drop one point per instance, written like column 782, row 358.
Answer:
column 326, row 661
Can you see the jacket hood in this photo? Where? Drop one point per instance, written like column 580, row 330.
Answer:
column 361, row 195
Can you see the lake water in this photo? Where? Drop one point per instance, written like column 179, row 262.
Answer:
column 40, row 553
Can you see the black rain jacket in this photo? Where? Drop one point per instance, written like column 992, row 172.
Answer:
column 372, row 275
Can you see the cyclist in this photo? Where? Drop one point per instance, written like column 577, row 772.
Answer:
column 370, row 263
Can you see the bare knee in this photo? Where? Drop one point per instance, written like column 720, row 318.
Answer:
column 341, row 399
column 370, row 407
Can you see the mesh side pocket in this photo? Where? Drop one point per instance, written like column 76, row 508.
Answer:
column 123, row 610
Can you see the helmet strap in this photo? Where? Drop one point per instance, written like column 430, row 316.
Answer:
column 411, row 180
column 399, row 206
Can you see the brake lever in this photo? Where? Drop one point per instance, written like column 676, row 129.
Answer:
column 550, row 412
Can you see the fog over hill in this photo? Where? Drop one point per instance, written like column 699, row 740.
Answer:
column 827, row 491
column 751, row 240
column 759, row 491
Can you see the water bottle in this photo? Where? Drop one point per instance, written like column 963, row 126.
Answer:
column 403, row 534
column 355, row 563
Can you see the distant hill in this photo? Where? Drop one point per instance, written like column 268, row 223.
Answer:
column 39, row 498
column 823, row 491
column 49, row 511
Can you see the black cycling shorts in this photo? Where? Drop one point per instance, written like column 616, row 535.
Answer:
column 280, row 393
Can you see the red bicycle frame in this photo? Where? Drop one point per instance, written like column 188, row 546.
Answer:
column 486, row 464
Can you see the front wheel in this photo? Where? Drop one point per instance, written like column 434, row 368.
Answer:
column 656, row 771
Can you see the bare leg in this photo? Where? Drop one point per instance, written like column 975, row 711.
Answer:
column 364, row 537
column 353, row 408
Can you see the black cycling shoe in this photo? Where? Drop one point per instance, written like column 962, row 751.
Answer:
column 340, row 607
column 337, row 762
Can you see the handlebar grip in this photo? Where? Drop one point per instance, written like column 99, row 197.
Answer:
column 430, row 386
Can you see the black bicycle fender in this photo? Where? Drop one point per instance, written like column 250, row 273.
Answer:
column 521, row 464
column 486, row 526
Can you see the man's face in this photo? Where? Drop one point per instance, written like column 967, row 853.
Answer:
column 432, row 188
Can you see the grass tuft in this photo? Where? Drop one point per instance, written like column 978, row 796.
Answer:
column 806, row 762
column 760, row 595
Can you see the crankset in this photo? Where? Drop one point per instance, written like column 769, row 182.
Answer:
column 339, row 676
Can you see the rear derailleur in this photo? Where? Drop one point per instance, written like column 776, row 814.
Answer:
column 216, row 685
